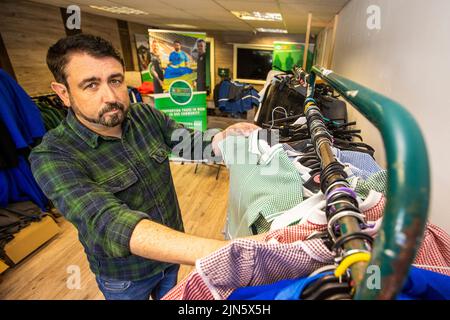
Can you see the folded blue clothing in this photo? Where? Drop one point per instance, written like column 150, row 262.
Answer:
column 18, row 184
column 420, row 285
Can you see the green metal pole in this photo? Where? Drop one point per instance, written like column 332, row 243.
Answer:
column 408, row 189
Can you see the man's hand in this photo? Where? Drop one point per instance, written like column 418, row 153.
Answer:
column 238, row 129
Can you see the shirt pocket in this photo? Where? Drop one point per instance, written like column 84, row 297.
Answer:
column 159, row 158
column 124, row 185
column 160, row 153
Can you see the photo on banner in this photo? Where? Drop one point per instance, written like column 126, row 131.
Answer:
column 288, row 54
column 178, row 71
column 144, row 57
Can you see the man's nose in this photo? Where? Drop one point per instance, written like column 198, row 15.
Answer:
column 108, row 94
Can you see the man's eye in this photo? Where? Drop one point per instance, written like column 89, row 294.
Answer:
column 91, row 86
column 116, row 81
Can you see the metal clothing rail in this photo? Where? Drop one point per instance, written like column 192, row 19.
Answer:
column 408, row 187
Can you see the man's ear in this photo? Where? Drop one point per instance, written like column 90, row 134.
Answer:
column 62, row 92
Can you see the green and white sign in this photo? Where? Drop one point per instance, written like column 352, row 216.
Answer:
column 175, row 60
column 180, row 92
column 184, row 105
column 288, row 54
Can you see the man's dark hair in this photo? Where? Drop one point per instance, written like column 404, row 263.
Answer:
column 58, row 54
column 176, row 41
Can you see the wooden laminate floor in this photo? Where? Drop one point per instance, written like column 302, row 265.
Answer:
column 47, row 272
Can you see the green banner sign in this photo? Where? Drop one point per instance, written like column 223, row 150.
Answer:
column 288, row 54
column 178, row 74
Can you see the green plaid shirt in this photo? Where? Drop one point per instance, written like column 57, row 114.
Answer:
column 105, row 185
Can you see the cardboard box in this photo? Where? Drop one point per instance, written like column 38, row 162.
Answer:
column 3, row 266
column 31, row 238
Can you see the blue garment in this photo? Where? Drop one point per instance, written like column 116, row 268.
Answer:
column 177, row 58
column 420, row 285
column 23, row 121
column 156, row 286
column 425, row 285
column 4, row 190
column 364, row 163
column 133, row 92
column 235, row 97
column 19, row 113
column 18, row 184
column 171, row 72
column 290, row 289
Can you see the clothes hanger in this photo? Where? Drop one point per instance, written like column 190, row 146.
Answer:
column 325, row 287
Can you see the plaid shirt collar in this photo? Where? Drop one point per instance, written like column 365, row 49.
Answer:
column 87, row 135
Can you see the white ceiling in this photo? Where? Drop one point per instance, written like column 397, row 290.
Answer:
column 215, row 14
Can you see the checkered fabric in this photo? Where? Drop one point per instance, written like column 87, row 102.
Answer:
column 218, row 271
column 372, row 208
column 257, row 189
column 376, row 182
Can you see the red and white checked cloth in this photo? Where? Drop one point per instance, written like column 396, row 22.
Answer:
column 372, row 208
column 289, row 255
column 433, row 253
column 248, row 263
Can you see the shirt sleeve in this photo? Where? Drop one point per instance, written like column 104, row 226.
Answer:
column 99, row 216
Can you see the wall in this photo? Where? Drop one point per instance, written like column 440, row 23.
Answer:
column 408, row 61
column 28, row 29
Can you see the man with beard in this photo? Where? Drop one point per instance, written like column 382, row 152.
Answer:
column 106, row 168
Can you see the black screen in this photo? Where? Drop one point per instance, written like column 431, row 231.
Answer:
column 253, row 64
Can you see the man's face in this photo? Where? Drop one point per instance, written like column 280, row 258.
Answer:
column 97, row 90
column 155, row 47
column 201, row 47
column 177, row 46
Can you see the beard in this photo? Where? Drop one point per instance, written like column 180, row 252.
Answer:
column 110, row 120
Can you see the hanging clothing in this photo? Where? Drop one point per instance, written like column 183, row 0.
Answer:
column 51, row 115
column 420, row 285
column 247, row 262
column 235, row 97
column 433, row 254
column 8, row 156
column 19, row 114
column 223, row 265
column 289, row 289
column 360, row 160
column 20, row 186
column 134, row 94
column 21, row 127
column 263, row 181
column 309, row 218
column 425, row 285
column 376, row 182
